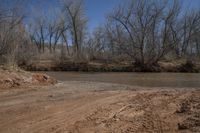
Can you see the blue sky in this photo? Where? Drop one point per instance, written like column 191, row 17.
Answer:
column 96, row 9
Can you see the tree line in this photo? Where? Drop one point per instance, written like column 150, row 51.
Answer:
column 142, row 31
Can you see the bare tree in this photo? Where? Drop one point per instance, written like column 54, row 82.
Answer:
column 76, row 21
column 38, row 31
column 10, row 30
column 150, row 29
column 190, row 29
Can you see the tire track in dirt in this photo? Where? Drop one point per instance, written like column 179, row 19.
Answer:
column 46, row 111
column 82, row 107
column 142, row 112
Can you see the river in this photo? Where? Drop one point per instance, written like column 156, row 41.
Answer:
column 182, row 80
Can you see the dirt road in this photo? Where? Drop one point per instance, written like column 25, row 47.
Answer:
column 86, row 107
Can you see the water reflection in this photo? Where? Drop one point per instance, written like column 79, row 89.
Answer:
column 138, row 79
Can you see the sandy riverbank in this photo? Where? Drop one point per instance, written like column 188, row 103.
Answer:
column 13, row 77
column 99, row 107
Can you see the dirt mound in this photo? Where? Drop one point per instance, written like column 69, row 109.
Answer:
column 14, row 78
column 190, row 107
column 144, row 112
column 43, row 79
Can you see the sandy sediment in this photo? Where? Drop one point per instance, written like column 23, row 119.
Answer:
column 12, row 78
column 73, row 107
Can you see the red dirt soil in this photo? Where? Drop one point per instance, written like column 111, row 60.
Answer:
column 91, row 107
column 11, row 78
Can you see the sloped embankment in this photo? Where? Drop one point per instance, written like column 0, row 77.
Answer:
column 95, row 66
column 10, row 78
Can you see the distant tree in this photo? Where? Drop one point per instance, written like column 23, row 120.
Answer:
column 149, row 26
column 76, row 21
column 38, row 29
column 11, row 29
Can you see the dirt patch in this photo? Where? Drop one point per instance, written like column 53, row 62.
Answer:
column 190, row 108
column 143, row 112
column 84, row 107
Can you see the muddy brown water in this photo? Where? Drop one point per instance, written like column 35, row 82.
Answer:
column 181, row 80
